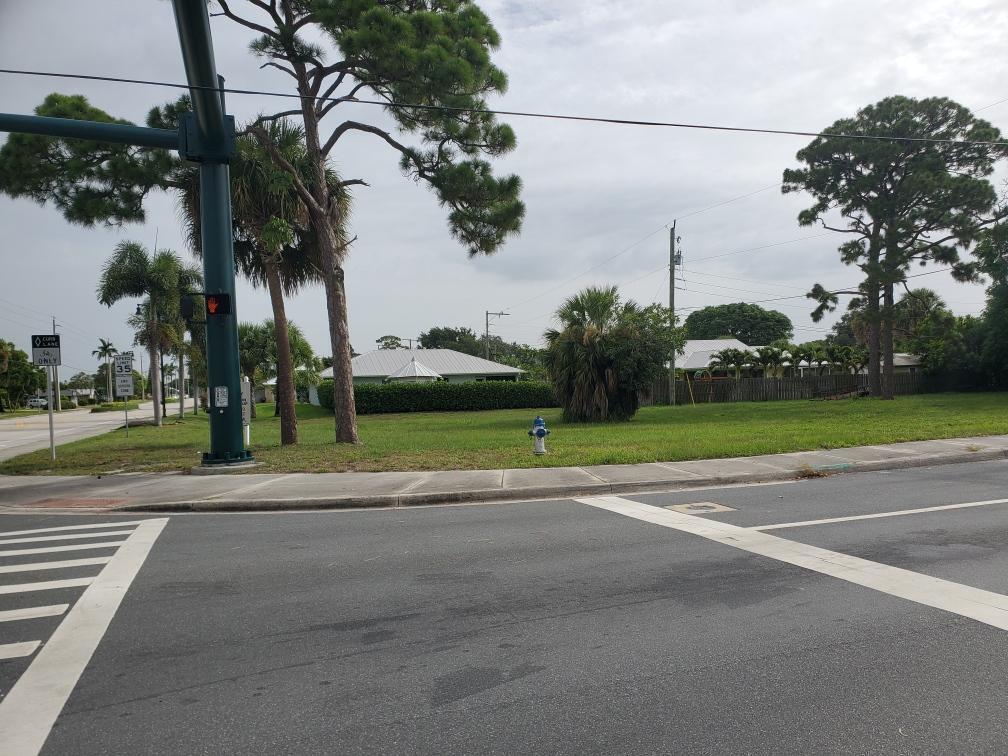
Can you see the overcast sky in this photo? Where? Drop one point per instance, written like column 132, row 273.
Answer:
column 591, row 190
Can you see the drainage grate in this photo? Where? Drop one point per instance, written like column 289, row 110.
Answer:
column 699, row 507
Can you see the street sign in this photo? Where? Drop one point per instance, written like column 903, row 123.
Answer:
column 124, row 374
column 246, row 391
column 46, row 349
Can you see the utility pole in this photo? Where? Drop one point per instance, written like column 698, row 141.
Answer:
column 57, row 398
column 486, row 338
column 673, row 260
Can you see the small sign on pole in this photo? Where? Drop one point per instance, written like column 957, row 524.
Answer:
column 124, row 381
column 46, row 353
column 246, row 396
column 46, row 349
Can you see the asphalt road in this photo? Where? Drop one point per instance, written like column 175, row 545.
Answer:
column 596, row 626
column 27, row 433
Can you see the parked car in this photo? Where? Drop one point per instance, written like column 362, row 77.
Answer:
column 38, row 402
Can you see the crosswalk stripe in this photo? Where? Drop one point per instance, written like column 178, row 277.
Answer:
column 68, row 537
column 33, row 612
column 35, row 566
column 91, row 526
column 47, row 585
column 30, row 709
column 984, row 606
column 17, row 650
column 54, row 549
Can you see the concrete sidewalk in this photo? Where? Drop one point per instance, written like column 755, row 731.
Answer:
column 166, row 492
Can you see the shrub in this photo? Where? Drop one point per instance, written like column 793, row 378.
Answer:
column 377, row 398
column 115, row 406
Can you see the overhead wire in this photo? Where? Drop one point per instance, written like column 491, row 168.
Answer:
column 511, row 113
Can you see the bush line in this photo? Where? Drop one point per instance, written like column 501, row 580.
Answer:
column 378, row 398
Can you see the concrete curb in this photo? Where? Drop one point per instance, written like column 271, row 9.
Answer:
column 531, row 493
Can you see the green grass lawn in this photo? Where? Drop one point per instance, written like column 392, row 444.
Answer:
column 497, row 439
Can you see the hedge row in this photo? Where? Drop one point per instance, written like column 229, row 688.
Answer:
column 377, row 398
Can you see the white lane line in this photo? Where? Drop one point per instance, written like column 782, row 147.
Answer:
column 877, row 515
column 92, row 526
column 45, row 585
column 54, row 549
column 31, row 707
column 67, row 537
column 35, row 566
column 983, row 606
column 33, row 612
column 17, row 650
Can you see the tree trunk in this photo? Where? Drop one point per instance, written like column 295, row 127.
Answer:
column 181, row 383
column 155, row 363
column 887, row 341
column 285, row 365
column 108, row 379
column 339, row 339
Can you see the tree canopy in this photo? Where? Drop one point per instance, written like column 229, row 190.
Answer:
column 606, row 352
column 749, row 323
column 917, row 200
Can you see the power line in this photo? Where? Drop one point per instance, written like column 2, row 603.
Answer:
column 764, row 246
column 512, row 113
column 644, row 239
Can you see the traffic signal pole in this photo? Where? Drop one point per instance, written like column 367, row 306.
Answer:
column 213, row 133
column 207, row 137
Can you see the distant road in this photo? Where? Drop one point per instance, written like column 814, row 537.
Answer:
column 20, row 435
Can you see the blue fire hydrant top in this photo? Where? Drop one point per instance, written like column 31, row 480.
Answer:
column 539, row 429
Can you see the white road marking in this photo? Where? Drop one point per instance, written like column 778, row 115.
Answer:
column 46, row 585
column 54, row 549
column 17, row 650
column 92, row 526
column 983, row 606
column 31, row 707
column 33, row 612
column 34, row 566
column 68, row 537
column 877, row 515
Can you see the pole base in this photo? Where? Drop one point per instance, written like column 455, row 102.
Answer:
column 243, row 457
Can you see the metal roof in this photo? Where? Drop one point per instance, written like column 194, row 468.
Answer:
column 414, row 369
column 699, row 353
column 382, row 363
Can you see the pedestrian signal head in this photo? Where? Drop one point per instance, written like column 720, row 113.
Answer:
column 218, row 304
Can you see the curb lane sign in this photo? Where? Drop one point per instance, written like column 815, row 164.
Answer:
column 46, row 349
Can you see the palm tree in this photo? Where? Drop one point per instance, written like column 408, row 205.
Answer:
column 596, row 360
column 104, row 352
column 769, row 358
column 731, row 358
column 253, row 354
column 132, row 271
column 273, row 243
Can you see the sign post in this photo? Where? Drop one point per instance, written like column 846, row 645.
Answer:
column 46, row 353
column 246, row 393
column 124, row 381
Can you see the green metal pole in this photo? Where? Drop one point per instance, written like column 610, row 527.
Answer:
column 213, row 136
column 226, row 437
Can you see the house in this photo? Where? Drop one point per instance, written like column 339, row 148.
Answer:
column 698, row 354
column 421, row 365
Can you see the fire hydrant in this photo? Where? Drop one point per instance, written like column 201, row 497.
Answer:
column 538, row 435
